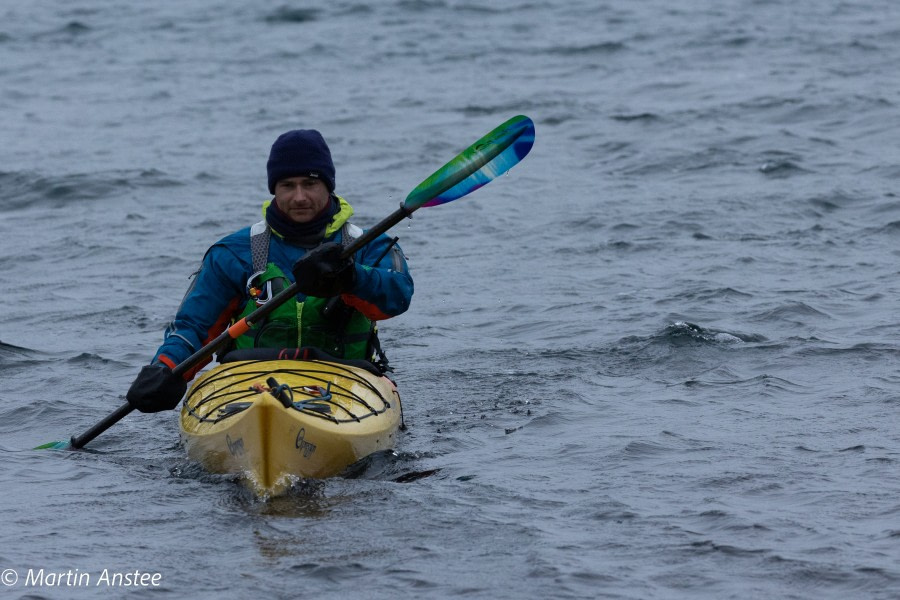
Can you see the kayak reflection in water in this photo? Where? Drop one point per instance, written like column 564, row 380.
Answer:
column 301, row 238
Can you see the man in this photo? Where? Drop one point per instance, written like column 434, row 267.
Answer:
column 301, row 238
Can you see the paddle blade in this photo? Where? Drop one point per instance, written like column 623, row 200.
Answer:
column 493, row 155
column 53, row 446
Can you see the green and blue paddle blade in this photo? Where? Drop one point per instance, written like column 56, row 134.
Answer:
column 53, row 446
column 491, row 156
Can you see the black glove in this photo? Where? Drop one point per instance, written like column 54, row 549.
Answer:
column 323, row 273
column 156, row 388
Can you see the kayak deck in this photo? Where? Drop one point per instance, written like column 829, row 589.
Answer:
column 277, row 421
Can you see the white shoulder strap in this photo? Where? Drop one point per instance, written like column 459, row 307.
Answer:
column 349, row 232
column 259, row 245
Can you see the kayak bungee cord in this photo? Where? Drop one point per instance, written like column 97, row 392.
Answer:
column 348, row 374
column 229, row 402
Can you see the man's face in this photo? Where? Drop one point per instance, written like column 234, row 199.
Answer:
column 301, row 198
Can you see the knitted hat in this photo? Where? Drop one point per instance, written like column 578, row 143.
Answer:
column 300, row 153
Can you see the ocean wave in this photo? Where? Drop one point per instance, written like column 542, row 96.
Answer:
column 16, row 359
column 781, row 167
column 20, row 190
column 764, row 383
column 836, row 200
column 678, row 162
column 706, row 294
column 891, row 228
column 866, row 350
column 645, row 117
column 669, row 347
column 795, row 312
column 12, row 352
column 292, row 14
column 70, row 32
column 586, row 49
column 680, row 331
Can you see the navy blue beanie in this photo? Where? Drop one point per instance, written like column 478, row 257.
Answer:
column 300, row 153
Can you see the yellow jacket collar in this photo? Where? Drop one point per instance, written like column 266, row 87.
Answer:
column 343, row 215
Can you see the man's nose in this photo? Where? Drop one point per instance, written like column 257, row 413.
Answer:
column 297, row 195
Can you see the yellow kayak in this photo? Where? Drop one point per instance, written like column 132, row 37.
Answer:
column 277, row 421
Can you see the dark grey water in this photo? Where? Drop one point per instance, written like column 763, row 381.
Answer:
column 658, row 360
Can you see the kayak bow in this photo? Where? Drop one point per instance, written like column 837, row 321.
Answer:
column 277, row 421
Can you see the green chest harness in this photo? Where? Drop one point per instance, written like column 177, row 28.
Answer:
column 325, row 323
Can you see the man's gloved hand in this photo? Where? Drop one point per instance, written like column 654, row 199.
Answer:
column 155, row 389
column 322, row 272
